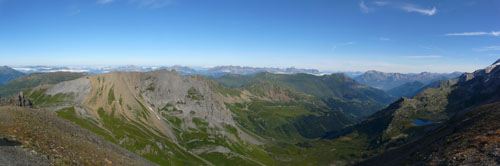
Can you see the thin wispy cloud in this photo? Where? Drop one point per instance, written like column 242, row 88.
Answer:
column 408, row 7
column 424, row 56
column 414, row 8
column 364, row 8
column 490, row 48
column 342, row 44
column 492, row 33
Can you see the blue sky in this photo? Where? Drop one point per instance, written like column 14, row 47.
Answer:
column 342, row 35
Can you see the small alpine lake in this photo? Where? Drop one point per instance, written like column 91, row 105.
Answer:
column 420, row 122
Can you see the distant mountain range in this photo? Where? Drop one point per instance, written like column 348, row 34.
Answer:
column 217, row 71
column 402, row 85
column 386, row 81
column 81, row 69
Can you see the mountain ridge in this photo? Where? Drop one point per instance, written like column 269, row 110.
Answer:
column 8, row 74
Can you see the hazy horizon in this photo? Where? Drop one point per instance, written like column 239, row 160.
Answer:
column 202, row 68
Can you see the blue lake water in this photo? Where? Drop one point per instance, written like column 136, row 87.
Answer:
column 420, row 122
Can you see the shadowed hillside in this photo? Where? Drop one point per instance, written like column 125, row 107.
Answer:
column 471, row 139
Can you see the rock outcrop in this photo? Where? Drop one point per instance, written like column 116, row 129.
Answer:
column 22, row 101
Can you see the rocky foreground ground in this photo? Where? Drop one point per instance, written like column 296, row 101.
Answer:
column 471, row 140
column 38, row 137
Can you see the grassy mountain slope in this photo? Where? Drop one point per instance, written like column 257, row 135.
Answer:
column 58, row 141
column 289, row 110
column 279, row 113
column 297, row 106
column 337, row 91
column 8, row 74
column 288, row 119
column 34, row 80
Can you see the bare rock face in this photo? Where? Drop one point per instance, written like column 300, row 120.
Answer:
column 79, row 88
column 22, row 101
